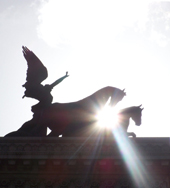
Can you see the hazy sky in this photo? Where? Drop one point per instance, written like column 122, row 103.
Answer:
column 124, row 44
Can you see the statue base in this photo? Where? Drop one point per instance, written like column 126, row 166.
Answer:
column 84, row 162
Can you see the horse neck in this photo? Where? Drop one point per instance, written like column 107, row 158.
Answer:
column 100, row 96
column 124, row 121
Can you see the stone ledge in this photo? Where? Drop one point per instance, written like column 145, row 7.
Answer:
column 80, row 148
column 82, row 162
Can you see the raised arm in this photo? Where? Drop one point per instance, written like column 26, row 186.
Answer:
column 59, row 80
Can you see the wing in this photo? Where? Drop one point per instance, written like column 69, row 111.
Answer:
column 36, row 71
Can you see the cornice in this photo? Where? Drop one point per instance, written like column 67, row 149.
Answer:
column 81, row 148
column 80, row 162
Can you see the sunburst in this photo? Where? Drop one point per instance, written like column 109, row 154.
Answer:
column 107, row 117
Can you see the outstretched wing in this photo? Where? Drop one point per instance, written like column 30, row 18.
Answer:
column 36, row 71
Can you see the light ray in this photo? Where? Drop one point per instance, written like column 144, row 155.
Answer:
column 131, row 157
column 107, row 117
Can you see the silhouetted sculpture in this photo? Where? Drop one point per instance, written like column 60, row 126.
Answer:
column 87, row 129
column 134, row 112
column 69, row 119
column 37, row 73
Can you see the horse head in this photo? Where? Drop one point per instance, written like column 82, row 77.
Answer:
column 117, row 95
column 136, row 115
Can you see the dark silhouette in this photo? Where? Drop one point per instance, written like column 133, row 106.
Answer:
column 37, row 73
column 89, row 129
column 69, row 119
column 134, row 112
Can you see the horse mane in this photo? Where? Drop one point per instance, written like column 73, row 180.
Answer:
column 131, row 109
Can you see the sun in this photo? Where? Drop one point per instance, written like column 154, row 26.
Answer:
column 107, row 117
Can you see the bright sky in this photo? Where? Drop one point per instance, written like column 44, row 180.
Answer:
column 123, row 44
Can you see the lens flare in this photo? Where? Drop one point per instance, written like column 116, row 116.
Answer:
column 131, row 157
column 107, row 117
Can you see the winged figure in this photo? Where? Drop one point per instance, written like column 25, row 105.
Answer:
column 36, row 73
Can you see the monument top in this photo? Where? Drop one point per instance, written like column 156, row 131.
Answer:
column 72, row 119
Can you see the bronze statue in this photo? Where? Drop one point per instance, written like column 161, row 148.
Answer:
column 77, row 129
column 133, row 112
column 69, row 119
column 37, row 73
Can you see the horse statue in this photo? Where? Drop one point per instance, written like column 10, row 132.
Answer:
column 58, row 116
column 67, row 119
column 92, row 129
column 64, row 118
column 124, row 115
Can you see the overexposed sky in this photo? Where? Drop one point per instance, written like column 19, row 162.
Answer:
column 124, row 44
